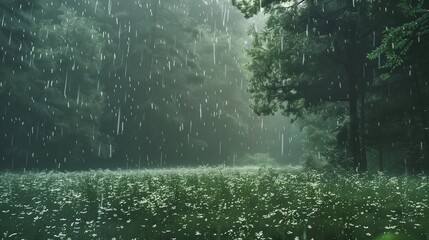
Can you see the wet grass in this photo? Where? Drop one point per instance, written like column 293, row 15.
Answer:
column 212, row 203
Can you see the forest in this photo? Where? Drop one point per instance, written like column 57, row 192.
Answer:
column 89, row 84
column 129, row 84
column 143, row 84
column 214, row 119
column 355, row 71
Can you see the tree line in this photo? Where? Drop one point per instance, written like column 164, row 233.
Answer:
column 105, row 83
column 354, row 75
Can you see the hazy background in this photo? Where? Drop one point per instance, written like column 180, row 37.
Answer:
column 94, row 84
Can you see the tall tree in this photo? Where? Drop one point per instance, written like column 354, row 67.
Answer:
column 403, row 47
column 315, row 52
column 51, row 97
column 17, row 80
column 69, row 50
column 311, row 53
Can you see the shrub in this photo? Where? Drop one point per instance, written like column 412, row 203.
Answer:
column 256, row 159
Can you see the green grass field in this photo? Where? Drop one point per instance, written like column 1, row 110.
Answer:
column 212, row 203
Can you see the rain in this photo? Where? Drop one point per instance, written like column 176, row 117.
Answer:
column 214, row 119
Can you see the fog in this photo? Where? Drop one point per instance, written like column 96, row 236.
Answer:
column 131, row 84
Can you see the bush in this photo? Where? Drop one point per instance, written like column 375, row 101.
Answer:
column 256, row 159
column 312, row 162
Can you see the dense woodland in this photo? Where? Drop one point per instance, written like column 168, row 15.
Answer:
column 153, row 83
column 355, row 74
column 129, row 84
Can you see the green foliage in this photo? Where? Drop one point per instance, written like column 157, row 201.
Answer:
column 393, row 236
column 397, row 43
column 326, row 139
column 84, row 79
column 399, row 39
column 53, row 90
column 313, row 163
column 256, row 159
column 17, row 81
column 306, row 59
column 314, row 55
column 217, row 203
column 70, row 62
column 403, row 66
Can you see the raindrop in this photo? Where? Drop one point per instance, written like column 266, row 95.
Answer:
column 119, row 35
column 119, row 121
column 65, row 84
column 109, row 7
column 78, row 95
column 96, row 5
column 10, row 37
column 214, row 53
column 110, row 151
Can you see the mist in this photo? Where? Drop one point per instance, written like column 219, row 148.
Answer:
column 132, row 84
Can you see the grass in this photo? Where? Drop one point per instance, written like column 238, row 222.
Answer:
column 212, row 203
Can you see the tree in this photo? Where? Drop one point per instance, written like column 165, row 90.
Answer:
column 17, row 69
column 69, row 63
column 126, row 84
column 311, row 53
column 52, row 99
column 174, row 83
column 404, row 45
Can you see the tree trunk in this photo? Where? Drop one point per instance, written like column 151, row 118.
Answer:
column 425, row 126
column 426, row 150
column 362, row 127
column 352, row 75
column 354, row 129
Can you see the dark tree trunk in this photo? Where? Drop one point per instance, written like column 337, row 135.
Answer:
column 354, row 128
column 362, row 127
column 352, row 73
column 425, row 125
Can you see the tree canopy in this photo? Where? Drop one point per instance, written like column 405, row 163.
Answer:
column 335, row 60
column 128, row 84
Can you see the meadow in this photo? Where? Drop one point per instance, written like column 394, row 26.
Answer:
column 212, row 203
